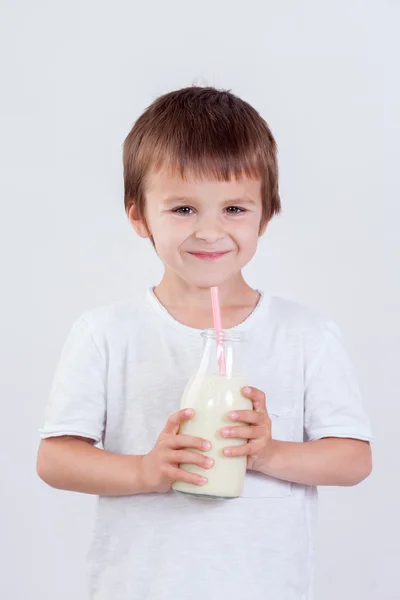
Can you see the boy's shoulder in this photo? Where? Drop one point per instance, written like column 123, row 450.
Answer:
column 296, row 314
column 302, row 321
column 113, row 315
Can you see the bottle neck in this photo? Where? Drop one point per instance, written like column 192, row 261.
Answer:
column 223, row 354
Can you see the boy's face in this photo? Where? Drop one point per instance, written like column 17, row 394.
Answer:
column 204, row 231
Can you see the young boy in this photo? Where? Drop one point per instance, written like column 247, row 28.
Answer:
column 201, row 181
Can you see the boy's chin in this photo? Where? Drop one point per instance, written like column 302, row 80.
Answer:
column 206, row 280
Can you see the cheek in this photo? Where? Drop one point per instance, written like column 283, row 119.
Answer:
column 169, row 236
column 247, row 237
column 246, row 240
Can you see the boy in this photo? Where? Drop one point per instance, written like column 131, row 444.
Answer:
column 201, row 181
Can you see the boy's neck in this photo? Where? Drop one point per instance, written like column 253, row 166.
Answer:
column 191, row 305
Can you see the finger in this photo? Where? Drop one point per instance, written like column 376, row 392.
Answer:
column 243, row 433
column 257, row 397
column 176, row 474
column 188, row 441
column 187, row 457
column 176, row 419
column 248, row 416
column 243, row 450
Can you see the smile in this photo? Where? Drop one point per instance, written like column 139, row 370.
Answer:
column 209, row 255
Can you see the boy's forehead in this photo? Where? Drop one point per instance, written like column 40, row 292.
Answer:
column 164, row 183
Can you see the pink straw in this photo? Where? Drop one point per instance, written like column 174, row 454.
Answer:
column 218, row 329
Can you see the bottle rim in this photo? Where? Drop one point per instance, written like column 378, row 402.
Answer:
column 225, row 336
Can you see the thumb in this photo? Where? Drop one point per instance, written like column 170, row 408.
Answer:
column 176, row 419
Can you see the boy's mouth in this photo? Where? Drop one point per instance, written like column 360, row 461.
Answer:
column 209, row 255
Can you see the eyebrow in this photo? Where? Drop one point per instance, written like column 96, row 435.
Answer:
column 187, row 199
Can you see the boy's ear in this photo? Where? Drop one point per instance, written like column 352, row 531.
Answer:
column 137, row 223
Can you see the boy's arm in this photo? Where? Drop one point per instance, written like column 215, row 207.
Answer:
column 77, row 406
column 332, row 460
column 329, row 461
column 73, row 463
column 338, row 451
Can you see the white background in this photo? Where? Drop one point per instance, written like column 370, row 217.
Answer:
column 74, row 77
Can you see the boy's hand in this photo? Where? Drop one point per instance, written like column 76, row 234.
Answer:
column 257, row 429
column 160, row 467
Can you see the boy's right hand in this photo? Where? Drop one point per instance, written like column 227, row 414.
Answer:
column 161, row 465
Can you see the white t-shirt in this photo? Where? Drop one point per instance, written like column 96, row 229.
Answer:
column 122, row 373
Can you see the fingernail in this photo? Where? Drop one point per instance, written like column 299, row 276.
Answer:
column 206, row 445
column 225, row 431
column 234, row 415
column 209, row 462
column 189, row 412
column 227, row 451
column 203, row 480
column 246, row 390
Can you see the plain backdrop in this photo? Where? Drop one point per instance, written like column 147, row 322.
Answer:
column 74, row 77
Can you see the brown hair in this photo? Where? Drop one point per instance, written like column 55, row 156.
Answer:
column 206, row 132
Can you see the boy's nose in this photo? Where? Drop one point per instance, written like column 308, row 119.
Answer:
column 210, row 233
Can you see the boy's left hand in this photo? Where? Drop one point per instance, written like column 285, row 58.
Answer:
column 257, row 429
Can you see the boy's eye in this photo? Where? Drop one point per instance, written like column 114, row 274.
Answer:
column 187, row 210
column 235, row 210
column 182, row 210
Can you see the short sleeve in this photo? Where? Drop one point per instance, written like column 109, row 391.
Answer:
column 77, row 402
column 333, row 404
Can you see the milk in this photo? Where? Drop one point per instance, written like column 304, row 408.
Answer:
column 213, row 396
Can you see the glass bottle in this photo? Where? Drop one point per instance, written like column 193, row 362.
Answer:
column 213, row 395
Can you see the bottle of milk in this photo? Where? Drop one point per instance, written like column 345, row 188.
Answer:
column 213, row 395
